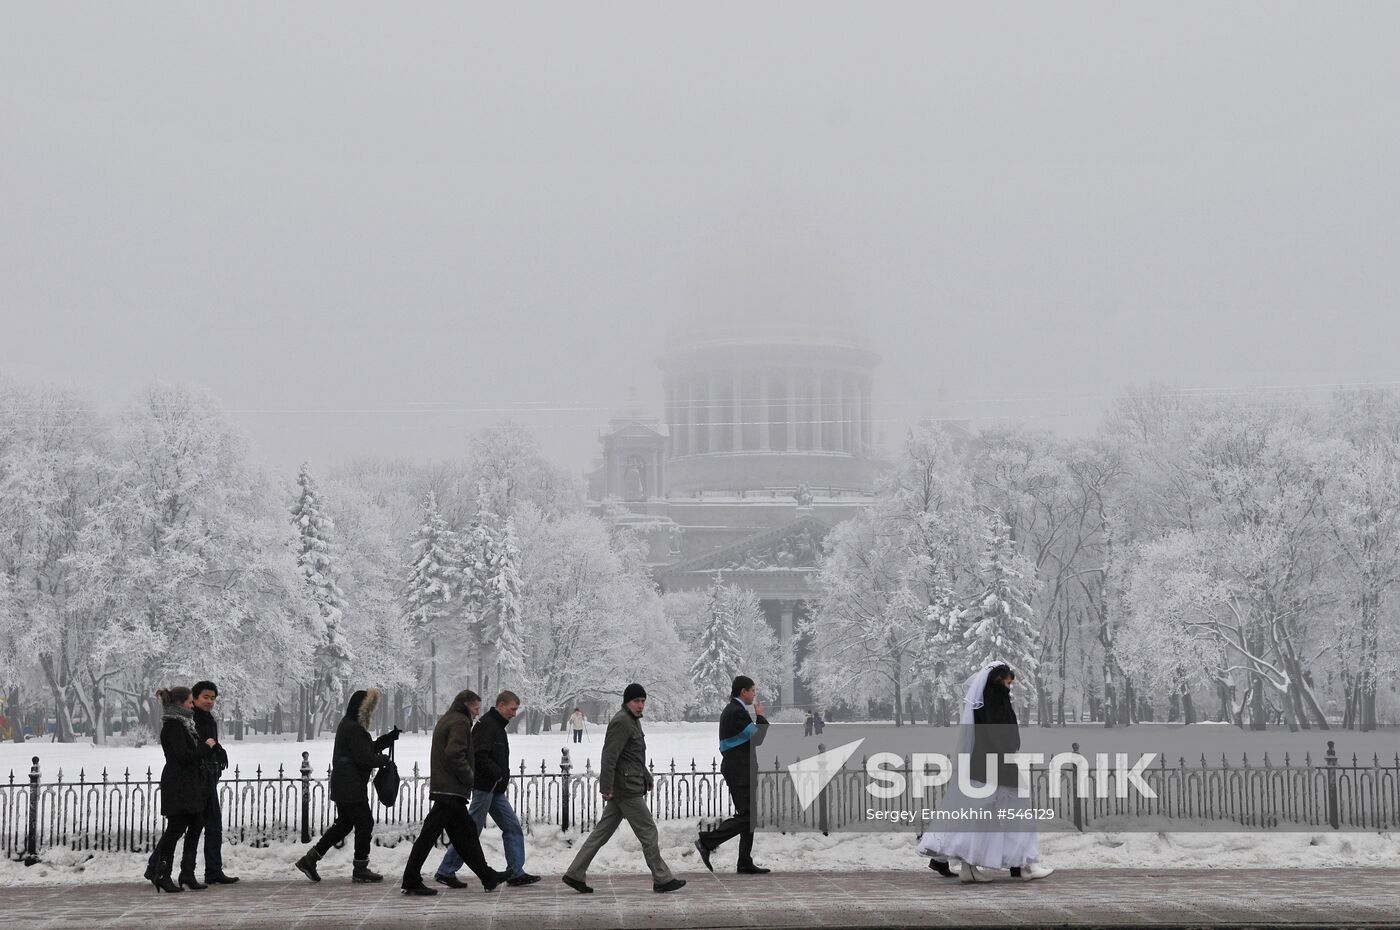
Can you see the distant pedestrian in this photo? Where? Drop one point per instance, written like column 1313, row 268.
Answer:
column 206, row 728
column 450, row 789
column 184, row 788
column 742, row 726
column 988, row 727
column 355, row 757
column 818, row 723
column 807, row 724
column 491, row 750
column 624, row 780
column 577, row 721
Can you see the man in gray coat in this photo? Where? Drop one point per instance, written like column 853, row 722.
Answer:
column 624, row 780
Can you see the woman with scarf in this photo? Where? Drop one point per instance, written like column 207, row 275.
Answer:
column 988, row 728
column 184, row 787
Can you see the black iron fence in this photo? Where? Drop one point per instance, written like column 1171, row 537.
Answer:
column 109, row 813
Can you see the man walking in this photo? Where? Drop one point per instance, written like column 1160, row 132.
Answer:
column 450, row 789
column 624, row 780
column 576, row 722
column 207, row 728
column 491, row 750
column 741, row 727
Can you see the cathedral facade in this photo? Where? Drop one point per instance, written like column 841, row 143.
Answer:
column 763, row 444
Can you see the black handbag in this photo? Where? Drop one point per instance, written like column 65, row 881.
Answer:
column 386, row 781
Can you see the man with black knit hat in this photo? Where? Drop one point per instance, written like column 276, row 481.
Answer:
column 741, row 727
column 624, row 780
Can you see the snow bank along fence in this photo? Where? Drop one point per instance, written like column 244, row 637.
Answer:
column 110, row 813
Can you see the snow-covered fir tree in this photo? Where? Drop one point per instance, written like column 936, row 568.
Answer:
column 998, row 623
column 714, row 668
column 331, row 658
column 507, row 633
column 428, row 587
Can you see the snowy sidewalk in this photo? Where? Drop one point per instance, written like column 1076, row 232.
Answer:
column 1098, row 898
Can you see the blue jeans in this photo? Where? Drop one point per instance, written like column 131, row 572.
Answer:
column 498, row 806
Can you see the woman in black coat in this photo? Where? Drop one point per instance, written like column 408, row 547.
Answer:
column 184, row 788
column 355, row 757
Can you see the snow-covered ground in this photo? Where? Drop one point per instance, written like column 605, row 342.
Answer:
column 549, row 854
column 550, row 851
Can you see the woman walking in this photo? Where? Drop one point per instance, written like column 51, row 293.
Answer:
column 184, row 788
column 989, row 727
column 355, row 757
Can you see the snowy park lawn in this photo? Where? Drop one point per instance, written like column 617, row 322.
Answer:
column 698, row 742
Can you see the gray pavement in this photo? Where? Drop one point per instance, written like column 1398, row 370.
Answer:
column 1098, row 898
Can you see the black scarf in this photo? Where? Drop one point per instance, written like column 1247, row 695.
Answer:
column 185, row 716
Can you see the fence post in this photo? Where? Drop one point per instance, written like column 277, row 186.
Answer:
column 306, row 797
column 1077, row 803
column 564, row 780
column 1334, row 807
column 823, row 820
column 31, row 839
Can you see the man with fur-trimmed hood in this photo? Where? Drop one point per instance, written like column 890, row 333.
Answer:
column 353, row 761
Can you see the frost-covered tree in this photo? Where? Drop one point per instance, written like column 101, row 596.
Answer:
column 331, row 659
column 998, row 625
column 732, row 638
column 718, row 660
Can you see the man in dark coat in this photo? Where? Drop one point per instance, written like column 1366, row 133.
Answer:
column 624, row 780
column 353, row 760
column 742, row 726
column 491, row 752
column 207, row 728
column 450, row 787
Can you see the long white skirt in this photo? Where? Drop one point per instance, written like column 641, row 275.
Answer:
column 979, row 842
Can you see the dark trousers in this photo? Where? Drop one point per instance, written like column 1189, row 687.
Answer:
column 213, row 838
column 177, row 825
column 348, row 817
column 578, row 736
column 738, row 825
column 448, row 813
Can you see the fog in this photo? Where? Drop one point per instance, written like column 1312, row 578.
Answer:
column 372, row 229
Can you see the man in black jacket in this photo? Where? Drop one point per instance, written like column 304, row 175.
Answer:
column 450, row 789
column 491, row 751
column 355, row 757
column 741, row 727
column 205, row 694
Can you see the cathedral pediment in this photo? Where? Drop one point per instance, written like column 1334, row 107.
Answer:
column 792, row 547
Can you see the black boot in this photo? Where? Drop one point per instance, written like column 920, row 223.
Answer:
column 162, row 880
column 219, row 878
column 307, row 864
column 362, row 875
column 941, row 867
column 188, row 880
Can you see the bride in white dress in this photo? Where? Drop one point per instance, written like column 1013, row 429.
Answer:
column 988, row 726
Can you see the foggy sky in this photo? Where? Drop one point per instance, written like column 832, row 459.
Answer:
column 372, row 228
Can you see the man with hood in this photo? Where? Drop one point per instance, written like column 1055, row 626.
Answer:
column 450, row 788
column 353, row 760
column 624, row 780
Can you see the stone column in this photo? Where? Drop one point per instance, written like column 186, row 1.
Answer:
column 765, row 413
column 867, row 420
column 736, row 407
column 818, row 411
column 712, row 404
column 791, row 437
column 841, row 420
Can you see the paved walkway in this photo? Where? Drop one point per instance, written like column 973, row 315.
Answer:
column 1124, row 898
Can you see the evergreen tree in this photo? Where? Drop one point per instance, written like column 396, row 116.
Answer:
column 998, row 624
column 428, row 587
column 714, row 668
column 508, row 634
column 331, row 658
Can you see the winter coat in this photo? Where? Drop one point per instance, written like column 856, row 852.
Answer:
column 450, row 762
column 208, row 728
column 994, row 731
column 184, row 782
column 356, row 754
column 623, row 766
column 577, row 720
column 491, row 752
column 738, row 734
